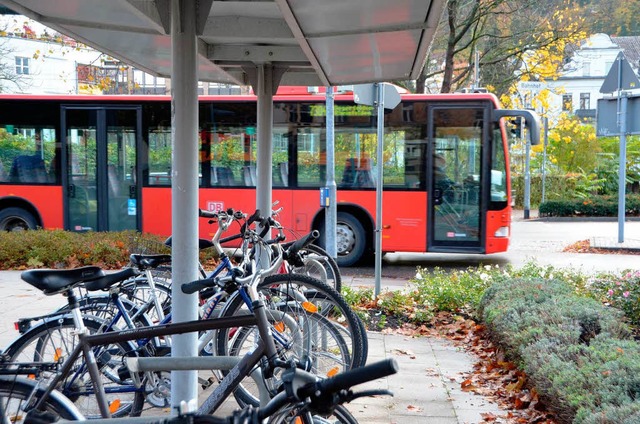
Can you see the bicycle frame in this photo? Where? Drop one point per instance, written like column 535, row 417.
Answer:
column 266, row 346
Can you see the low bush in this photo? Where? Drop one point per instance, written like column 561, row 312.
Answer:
column 593, row 206
column 576, row 351
column 64, row 249
column 621, row 292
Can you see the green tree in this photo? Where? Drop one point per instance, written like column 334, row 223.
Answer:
column 502, row 36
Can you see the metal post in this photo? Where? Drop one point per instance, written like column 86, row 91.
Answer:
column 544, row 157
column 379, row 182
column 331, row 218
column 265, row 129
column 184, row 190
column 264, row 177
column 622, row 166
column 527, row 172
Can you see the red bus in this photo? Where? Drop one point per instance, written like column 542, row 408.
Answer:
column 101, row 163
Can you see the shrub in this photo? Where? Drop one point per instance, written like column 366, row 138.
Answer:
column 621, row 292
column 576, row 351
column 457, row 291
column 593, row 206
column 627, row 413
column 65, row 249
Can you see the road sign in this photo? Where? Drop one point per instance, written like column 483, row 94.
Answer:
column 365, row 94
column 531, row 85
column 607, row 122
column 620, row 76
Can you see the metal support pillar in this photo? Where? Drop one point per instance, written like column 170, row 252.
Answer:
column 379, row 183
column 331, row 217
column 184, row 190
column 622, row 170
column 264, row 181
column 527, row 170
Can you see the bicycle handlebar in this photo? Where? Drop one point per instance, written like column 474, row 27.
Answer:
column 352, row 377
column 195, row 286
column 303, row 242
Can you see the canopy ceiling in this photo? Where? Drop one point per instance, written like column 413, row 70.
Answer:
column 309, row 42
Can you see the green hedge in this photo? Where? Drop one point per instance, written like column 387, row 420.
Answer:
column 65, row 249
column 577, row 352
column 595, row 206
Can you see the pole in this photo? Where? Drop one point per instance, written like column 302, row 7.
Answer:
column 264, row 180
column 622, row 166
column 331, row 219
column 544, row 157
column 527, row 172
column 379, row 181
column 184, row 191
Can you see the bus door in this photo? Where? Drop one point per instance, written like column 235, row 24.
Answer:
column 101, row 170
column 456, row 177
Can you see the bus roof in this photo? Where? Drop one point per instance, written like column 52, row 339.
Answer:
column 283, row 94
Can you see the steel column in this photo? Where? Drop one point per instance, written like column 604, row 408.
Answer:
column 184, row 190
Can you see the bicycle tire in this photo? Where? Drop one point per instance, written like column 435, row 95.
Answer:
column 287, row 416
column 15, row 392
column 363, row 330
column 280, row 286
column 134, row 290
column 318, row 264
column 53, row 339
column 331, row 304
column 321, row 347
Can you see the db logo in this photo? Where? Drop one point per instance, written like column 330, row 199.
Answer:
column 215, row 206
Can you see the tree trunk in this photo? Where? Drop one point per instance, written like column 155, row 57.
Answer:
column 447, row 76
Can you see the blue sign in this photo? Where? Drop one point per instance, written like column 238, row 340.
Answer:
column 324, row 197
column 131, row 207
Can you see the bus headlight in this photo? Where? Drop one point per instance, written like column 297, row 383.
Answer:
column 502, row 232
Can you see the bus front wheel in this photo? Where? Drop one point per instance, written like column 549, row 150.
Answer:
column 351, row 239
column 16, row 219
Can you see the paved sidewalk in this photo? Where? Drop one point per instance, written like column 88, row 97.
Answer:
column 426, row 390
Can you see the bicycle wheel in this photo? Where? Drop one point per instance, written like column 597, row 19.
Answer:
column 292, row 293
column 305, row 292
column 318, row 264
column 15, row 393
column 314, row 341
column 139, row 292
column 53, row 341
column 291, row 415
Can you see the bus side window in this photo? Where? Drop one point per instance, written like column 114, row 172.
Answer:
column 28, row 169
column 249, row 174
column 284, row 173
column 222, row 176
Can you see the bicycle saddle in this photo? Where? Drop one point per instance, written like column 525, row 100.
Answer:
column 52, row 281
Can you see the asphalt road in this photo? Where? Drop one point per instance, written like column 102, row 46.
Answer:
column 536, row 240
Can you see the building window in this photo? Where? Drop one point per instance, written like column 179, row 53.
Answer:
column 567, row 102
column 22, row 65
column 585, row 101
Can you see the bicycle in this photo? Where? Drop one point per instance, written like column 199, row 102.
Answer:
column 66, row 281
column 301, row 398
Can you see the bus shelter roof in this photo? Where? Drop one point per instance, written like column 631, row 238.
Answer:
column 308, row 42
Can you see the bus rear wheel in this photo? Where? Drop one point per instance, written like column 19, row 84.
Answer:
column 16, row 219
column 350, row 239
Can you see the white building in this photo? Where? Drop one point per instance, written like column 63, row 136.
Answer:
column 577, row 90
column 46, row 62
column 45, row 66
